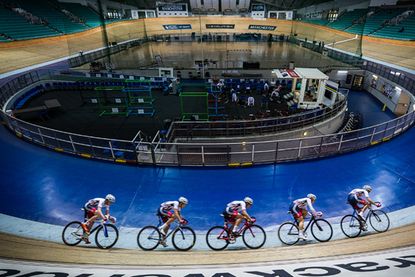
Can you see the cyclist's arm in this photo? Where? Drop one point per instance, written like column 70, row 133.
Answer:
column 246, row 215
column 370, row 201
column 99, row 211
column 310, row 205
column 178, row 215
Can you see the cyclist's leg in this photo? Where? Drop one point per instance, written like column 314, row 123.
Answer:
column 354, row 203
column 90, row 216
column 238, row 219
column 301, row 215
column 168, row 217
column 230, row 217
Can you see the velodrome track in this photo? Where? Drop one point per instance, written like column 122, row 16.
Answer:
column 44, row 186
column 48, row 187
column 20, row 54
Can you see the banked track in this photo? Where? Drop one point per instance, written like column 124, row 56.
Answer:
column 385, row 254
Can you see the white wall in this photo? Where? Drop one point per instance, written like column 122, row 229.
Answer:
column 375, row 3
column 208, row 5
column 173, row 13
column 231, row 4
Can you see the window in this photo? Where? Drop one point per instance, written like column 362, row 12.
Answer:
column 332, row 15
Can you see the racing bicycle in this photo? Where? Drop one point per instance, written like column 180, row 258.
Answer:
column 378, row 219
column 219, row 237
column 106, row 234
column 320, row 229
column 183, row 237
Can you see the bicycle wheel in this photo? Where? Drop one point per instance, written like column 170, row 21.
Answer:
column 379, row 221
column 350, row 226
column 321, row 230
column 288, row 233
column 217, row 238
column 254, row 236
column 106, row 236
column 72, row 233
column 148, row 238
column 183, row 238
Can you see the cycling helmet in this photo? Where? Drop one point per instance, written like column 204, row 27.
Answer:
column 367, row 188
column 110, row 198
column 248, row 200
column 183, row 200
column 311, row 196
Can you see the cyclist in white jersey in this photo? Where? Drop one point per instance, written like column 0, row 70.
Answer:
column 298, row 209
column 235, row 211
column 355, row 197
column 169, row 211
column 93, row 211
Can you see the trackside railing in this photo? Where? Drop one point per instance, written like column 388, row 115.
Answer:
column 164, row 153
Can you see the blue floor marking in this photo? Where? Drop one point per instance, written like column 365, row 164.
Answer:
column 51, row 187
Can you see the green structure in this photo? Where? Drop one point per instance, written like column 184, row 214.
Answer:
column 121, row 100
column 194, row 105
column 140, row 100
column 113, row 100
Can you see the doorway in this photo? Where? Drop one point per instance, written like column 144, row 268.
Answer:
column 357, row 83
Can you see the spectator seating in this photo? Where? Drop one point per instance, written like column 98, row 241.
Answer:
column 17, row 27
column 374, row 22
column 90, row 17
column 405, row 30
column 55, row 17
column 347, row 19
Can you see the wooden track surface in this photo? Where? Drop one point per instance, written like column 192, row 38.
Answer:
column 14, row 247
column 19, row 54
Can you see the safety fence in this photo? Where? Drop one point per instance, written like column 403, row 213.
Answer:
column 232, row 128
column 163, row 152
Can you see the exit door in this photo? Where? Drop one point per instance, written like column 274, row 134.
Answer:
column 357, row 83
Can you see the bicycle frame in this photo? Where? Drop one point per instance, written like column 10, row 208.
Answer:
column 244, row 226
column 367, row 215
column 168, row 234
column 308, row 224
column 102, row 223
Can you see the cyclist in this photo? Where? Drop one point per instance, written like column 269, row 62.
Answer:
column 298, row 209
column 169, row 211
column 235, row 211
column 355, row 197
column 93, row 211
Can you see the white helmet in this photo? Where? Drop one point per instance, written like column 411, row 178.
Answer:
column 367, row 188
column 311, row 196
column 110, row 198
column 248, row 200
column 183, row 200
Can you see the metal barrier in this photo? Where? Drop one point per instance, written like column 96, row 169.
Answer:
column 160, row 152
column 254, row 127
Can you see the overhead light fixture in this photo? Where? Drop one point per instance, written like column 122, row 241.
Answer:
column 305, row 133
column 398, row 89
column 375, row 77
column 342, row 71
